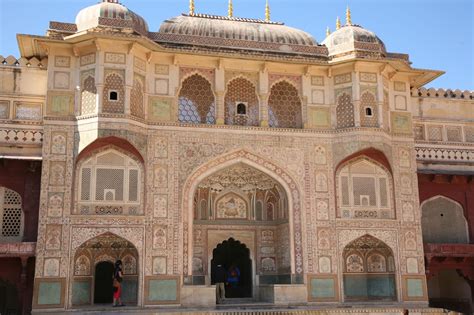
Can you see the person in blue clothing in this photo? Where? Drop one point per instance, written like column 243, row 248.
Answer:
column 233, row 276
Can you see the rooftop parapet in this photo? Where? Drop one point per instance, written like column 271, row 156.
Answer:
column 443, row 93
column 33, row 62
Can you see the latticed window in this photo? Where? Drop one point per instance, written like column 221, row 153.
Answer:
column 345, row 111
column 196, row 101
column 284, row 106
column 364, row 191
column 88, row 96
column 241, row 103
column 368, row 110
column 11, row 215
column 109, row 183
column 114, row 92
column 136, row 100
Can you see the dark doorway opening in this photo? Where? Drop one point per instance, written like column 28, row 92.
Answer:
column 233, row 253
column 9, row 302
column 103, row 290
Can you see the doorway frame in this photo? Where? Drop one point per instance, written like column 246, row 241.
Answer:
column 245, row 237
column 94, row 278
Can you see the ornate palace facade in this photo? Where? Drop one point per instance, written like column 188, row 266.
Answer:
column 320, row 169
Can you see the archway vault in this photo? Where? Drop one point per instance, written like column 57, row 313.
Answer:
column 264, row 165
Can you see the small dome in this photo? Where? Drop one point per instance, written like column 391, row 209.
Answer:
column 110, row 13
column 236, row 28
column 351, row 38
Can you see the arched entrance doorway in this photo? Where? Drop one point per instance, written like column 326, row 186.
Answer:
column 235, row 258
column 93, row 270
column 247, row 204
column 104, row 272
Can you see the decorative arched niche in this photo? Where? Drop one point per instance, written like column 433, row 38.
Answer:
column 109, row 181
column 364, row 190
column 368, row 270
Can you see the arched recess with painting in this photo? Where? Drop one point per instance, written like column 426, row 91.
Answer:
column 252, row 206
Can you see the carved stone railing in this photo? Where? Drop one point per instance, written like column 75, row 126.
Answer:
column 20, row 136
column 443, row 154
column 17, row 249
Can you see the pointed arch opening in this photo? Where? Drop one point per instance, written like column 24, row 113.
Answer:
column 93, row 268
column 369, row 270
column 196, row 101
column 443, row 221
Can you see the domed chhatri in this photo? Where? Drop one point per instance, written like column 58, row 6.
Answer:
column 352, row 38
column 110, row 14
column 204, row 25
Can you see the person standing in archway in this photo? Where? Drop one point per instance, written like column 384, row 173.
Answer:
column 118, row 278
column 233, row 277
column 220, row 284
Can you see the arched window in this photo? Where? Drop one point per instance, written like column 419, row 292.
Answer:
column 110, row 183
column 368, row 273
column 241, row 103
column 368, row 110
column 284, row 106
column 11, row 215
column 443, row 221
column 136, row 99
column 196, row 101
column 88, row 96
column 114, row 91
column 364, row 191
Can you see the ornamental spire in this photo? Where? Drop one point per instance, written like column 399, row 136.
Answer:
column 230, row 10
column 191, row 7
column 267, row 12
column 328, row 31
column 338, row 23
column 348, row 16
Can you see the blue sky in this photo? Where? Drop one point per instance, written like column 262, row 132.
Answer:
column 437, row 34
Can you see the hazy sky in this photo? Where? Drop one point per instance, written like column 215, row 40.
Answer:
column 437, row 34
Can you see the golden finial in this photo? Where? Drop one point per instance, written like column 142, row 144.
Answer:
column 230, row 10
column 267, row 12
column 191, row 7
column 348, row 16
column 328, row 31
column 338, row 23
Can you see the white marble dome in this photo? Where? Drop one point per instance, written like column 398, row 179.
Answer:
column 350, row 38
column 110, row 14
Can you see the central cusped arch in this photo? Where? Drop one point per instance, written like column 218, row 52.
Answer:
column 269, row 168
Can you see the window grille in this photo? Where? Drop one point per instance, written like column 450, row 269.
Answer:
column 364, row 191
column 11, row 215
column 110, row 179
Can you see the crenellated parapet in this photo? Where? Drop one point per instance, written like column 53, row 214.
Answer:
column 32, row 62
column 442, row 93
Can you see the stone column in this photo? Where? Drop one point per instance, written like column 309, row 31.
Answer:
column 99, row 81
column 380, row 100
column 356, row 97
column 128, row 84
column 220, row 107
column 263, row 95
column 23, row 286
column 220, row 95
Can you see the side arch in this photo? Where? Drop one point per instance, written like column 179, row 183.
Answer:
column 443, row 221
column 276, row 172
